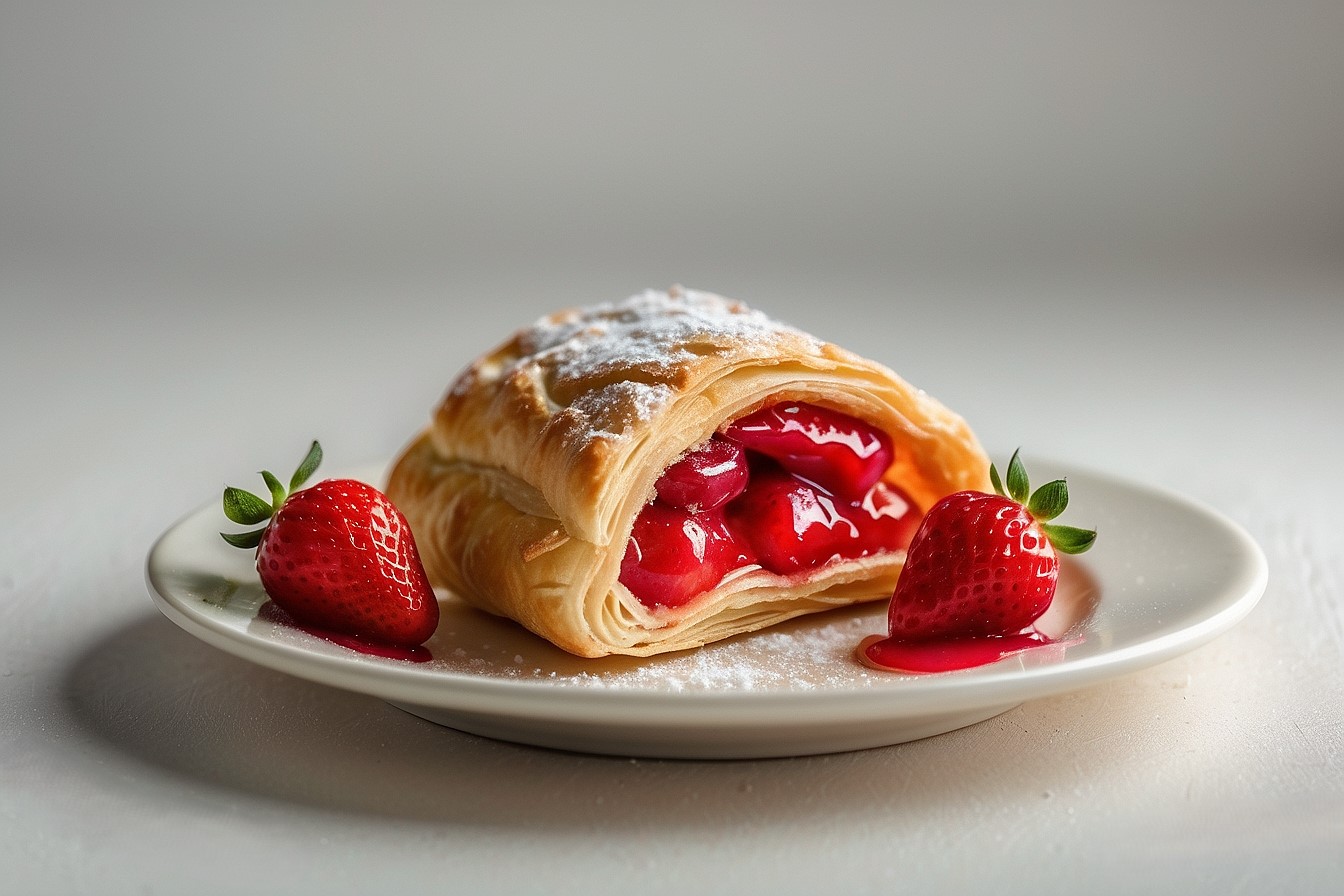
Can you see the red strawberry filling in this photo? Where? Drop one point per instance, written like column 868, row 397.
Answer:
column 841, row 454
column 705, row 478
column 674, row 554
column 791, row 487
column 793, row 525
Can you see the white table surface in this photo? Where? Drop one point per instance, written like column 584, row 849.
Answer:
column 224, row 234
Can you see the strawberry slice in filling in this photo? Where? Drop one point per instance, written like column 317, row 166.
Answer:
column 791, row 487
column 841, row 454
column 674, row 555
column 705, row 478
column 794, row 525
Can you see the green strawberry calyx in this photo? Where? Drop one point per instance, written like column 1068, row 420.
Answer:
column 1044, row 504
column 246, row 509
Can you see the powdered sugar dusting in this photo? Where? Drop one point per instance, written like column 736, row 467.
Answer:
column 813, row 656
column 635, row 351
column 814, row 653
column 615, row 409
column 654, row 330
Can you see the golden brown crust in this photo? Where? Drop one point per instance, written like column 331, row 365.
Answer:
column 523, row 490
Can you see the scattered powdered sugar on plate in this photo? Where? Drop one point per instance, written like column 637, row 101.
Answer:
column 807, row 654
column 811, row 656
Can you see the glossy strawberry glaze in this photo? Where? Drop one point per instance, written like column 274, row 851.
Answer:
column 947, row 654
column 802, row 489
column 708, row 477
column 675, row 554
column 841, row 454
column 793, row 525
column 418, row 654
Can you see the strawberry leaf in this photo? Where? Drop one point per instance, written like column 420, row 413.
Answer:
column 245, row 508
column 307, row 466
column 277, row 490
column 1019, row 487
column 1049, row 501
column 244, row 539
column 1067, row 539
column 996, row 481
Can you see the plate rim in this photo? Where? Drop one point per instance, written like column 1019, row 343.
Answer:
column 404, row 683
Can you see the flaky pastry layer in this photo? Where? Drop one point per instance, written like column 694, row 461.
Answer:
column 523, row 490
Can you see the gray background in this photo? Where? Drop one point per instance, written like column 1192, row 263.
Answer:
column 1111, row 233
column 441, row 173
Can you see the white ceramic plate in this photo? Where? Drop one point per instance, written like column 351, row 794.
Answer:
column 1165, row 576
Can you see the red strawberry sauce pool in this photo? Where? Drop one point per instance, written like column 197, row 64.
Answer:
column 418, row 654
column 1062, row 625
column 945, row 654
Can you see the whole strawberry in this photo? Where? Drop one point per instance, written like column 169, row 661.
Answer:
column 984, row 564
column 337, row 556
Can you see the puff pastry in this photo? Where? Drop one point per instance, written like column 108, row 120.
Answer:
column 524, row 488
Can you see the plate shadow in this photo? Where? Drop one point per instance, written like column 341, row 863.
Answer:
column 159, row 697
